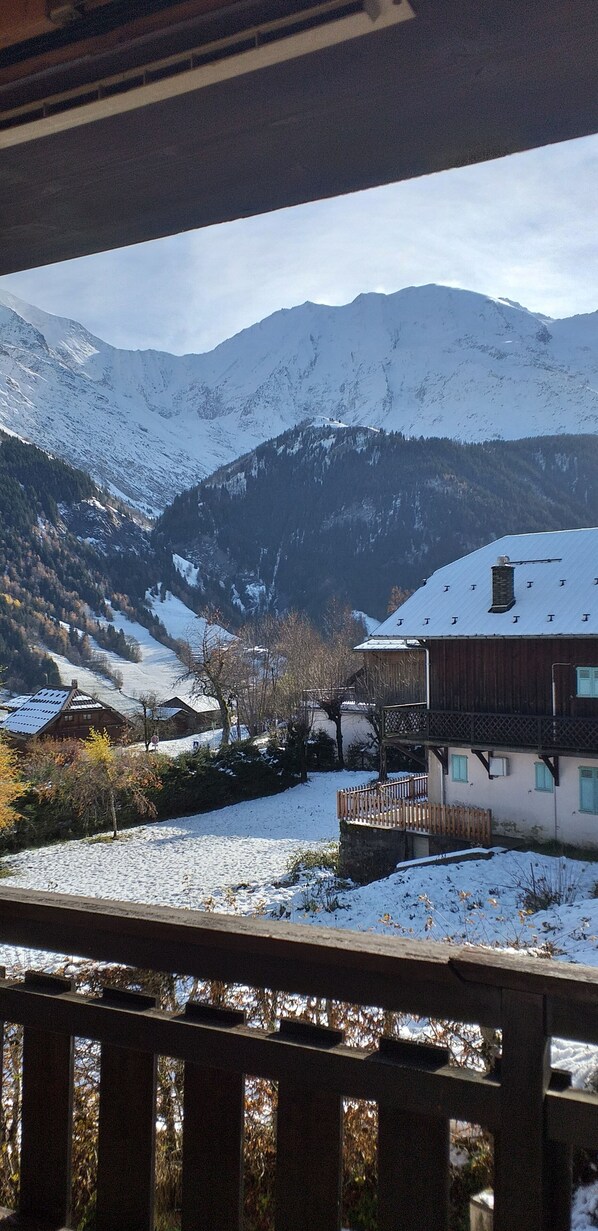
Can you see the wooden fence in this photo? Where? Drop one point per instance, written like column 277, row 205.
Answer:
column 535, row 1119
column 360, row 803
column 402, row 804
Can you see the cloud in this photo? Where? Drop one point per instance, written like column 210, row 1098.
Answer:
column 520, row 227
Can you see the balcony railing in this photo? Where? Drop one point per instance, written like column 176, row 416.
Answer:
column 415, row 724
column 360, row 803
column 536, row 1122
column 402, row 804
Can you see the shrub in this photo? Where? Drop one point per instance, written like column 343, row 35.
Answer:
column 557, row 885
column 302, row 862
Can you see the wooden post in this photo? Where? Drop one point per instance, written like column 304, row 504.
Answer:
column 47, row 1116
column 127, row 1133
column 308, row 1144
column 413, row 1151
column 212, row 1185
column 519, row 1146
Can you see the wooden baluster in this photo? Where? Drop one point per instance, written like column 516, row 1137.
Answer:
column 47, row 1115
column 519, row 1147
column 413, row 1151
column 212, row 1136
column 558, row 1168
column 126, row 1146
column 308, row 1144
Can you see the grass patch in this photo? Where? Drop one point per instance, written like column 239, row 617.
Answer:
column 302, row 862
column 4, row 872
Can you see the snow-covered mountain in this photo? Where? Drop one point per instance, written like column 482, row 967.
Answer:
column 426, row 361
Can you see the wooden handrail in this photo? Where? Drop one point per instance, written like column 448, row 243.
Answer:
column 314, row 1068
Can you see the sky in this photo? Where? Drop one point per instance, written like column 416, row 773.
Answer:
column 521, row 227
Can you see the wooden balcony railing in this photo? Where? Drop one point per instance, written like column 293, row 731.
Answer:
column 403, row 805
column 415, row 724
column 360, row 803
column 536, row 1122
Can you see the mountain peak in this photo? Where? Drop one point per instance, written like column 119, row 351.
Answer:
column 425, row 360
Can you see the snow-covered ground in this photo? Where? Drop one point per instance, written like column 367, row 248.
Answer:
column 187, row 743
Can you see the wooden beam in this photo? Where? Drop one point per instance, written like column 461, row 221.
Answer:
column 441, row 755
column 485, row 761
column 551, row 763
column 459, row 84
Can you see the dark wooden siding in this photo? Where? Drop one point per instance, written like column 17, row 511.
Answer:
column 394, row 676
column 510, row 676
column 79, row 724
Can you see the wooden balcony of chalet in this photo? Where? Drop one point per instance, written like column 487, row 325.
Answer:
column 403, row 804
column 535, row 1118
column 546, row 734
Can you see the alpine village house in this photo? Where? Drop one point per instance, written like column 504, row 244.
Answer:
column 510, row 722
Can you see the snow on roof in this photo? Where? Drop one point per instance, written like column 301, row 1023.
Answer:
column 81, row 701
column 15, row 703
column 387, row 643
column 556, row 592
column 37, row 711
column 165, row 712
column 40, row 709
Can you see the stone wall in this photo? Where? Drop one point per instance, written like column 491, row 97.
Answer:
column 371, row 852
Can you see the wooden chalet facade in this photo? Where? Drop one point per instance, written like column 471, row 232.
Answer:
column 510, row 722
column 184, row 718
column 62, row 713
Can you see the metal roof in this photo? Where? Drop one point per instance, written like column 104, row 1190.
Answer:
column 556, row 592
column 37, row 711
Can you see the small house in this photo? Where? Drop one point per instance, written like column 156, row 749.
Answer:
column 62, row 713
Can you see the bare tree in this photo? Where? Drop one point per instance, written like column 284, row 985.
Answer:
column 149, row 716
column 214, row 663
column 260, row 668
column 335, row 666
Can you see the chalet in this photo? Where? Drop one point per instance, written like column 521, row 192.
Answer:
column 188, row 717
column 61, row 713
column 511, row 717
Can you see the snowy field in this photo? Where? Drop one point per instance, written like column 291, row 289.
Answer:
column 235, row 860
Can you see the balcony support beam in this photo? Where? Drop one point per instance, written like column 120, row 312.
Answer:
column 484, row 760
column 441, row 755
column 551, row 763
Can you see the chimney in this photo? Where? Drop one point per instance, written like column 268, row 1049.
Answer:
column 503, row 585
column 74, row 683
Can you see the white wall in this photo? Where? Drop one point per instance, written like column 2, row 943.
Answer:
column 355, row 726
column 519, row 810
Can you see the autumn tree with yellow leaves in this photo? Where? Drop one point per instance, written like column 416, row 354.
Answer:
column 93, row 777
column 11, row 785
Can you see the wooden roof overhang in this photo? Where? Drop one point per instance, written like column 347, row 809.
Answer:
column 123, row 121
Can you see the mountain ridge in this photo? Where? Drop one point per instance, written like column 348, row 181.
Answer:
column 426, row 361
column 349, row 513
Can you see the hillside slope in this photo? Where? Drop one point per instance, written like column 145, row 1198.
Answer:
column 353, row 512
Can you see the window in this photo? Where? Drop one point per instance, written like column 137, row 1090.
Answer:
column 544, row 778
column 588, row 789
column 458, row 767
column 587, row 681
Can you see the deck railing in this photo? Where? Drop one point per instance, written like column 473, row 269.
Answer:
column 535, row 1121
column 416, row 724
column 359, row 803
column 402, row 804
